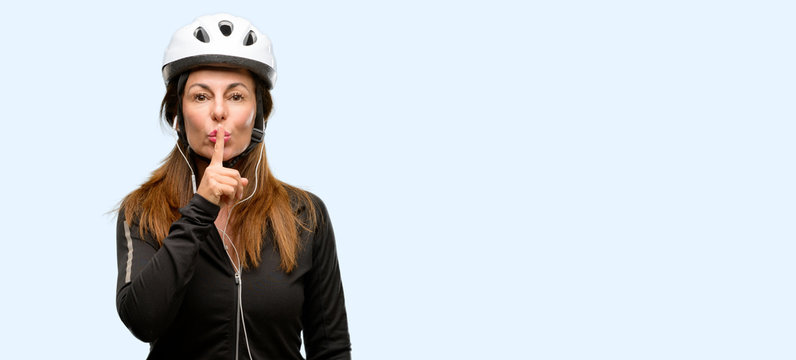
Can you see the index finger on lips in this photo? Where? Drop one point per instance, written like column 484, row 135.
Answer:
column 218, row 150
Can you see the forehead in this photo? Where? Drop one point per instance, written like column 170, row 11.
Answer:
column 221, row 76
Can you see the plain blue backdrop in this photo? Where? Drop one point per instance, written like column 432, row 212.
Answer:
column 506, row 179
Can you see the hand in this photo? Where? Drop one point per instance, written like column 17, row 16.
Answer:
column 220, row 185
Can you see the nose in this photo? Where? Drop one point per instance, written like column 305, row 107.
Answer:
column 219, row 110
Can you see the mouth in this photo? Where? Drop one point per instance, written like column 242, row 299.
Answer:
column 212, row 136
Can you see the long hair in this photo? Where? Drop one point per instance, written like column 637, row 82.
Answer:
column 276, row 209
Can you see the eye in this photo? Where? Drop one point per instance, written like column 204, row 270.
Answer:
column 236, row 97
column 200, row 97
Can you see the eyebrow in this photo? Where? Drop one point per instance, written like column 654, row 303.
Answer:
column 229, row 87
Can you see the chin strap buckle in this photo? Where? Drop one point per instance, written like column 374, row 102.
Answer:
column 258, row 135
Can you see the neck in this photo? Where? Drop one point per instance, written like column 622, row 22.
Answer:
column 201, row 163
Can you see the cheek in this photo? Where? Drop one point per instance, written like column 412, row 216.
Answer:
column 193, row 127
column 250, row 119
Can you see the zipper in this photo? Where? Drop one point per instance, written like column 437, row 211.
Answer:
column 237, row 314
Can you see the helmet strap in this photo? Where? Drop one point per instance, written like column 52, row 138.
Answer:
column 180, row 118
column 258, row 131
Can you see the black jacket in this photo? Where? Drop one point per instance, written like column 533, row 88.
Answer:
column 182, row 297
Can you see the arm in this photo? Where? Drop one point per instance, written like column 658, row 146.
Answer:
column 324, row 315
column 151, row 281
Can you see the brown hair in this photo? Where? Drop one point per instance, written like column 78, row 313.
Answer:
column 274, row 208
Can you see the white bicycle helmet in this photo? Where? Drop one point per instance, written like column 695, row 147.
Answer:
column 220, row 39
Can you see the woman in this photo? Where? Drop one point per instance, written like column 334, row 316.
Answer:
column 240, row 264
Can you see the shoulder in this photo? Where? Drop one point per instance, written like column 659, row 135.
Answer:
column 130, row 228
column 125, row 216
column 307, row 206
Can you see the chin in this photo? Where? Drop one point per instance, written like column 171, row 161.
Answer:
column 232, row 155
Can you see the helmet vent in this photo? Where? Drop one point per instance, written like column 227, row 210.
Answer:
column 250, row 38
column 201, row 34
column 225, row 27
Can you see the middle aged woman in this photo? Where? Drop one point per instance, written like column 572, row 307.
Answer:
column 241, row 265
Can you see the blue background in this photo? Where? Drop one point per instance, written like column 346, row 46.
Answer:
column 507, row 179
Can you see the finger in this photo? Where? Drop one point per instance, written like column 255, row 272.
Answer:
column 218, row 152
column 242, row 187
column 235, row 182
column 228, row 172
column 225, row 191
column 230, row 194
column 227, row 175
column 229, row 181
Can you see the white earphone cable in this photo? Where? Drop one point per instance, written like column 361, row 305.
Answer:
column 236, row 266
column 193, row 176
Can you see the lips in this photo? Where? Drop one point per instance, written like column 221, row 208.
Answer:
column 212, row 136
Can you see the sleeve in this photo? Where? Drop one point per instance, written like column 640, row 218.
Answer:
column 151, row 281
column 324, row 316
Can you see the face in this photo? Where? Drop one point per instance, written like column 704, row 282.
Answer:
column 219, row 96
